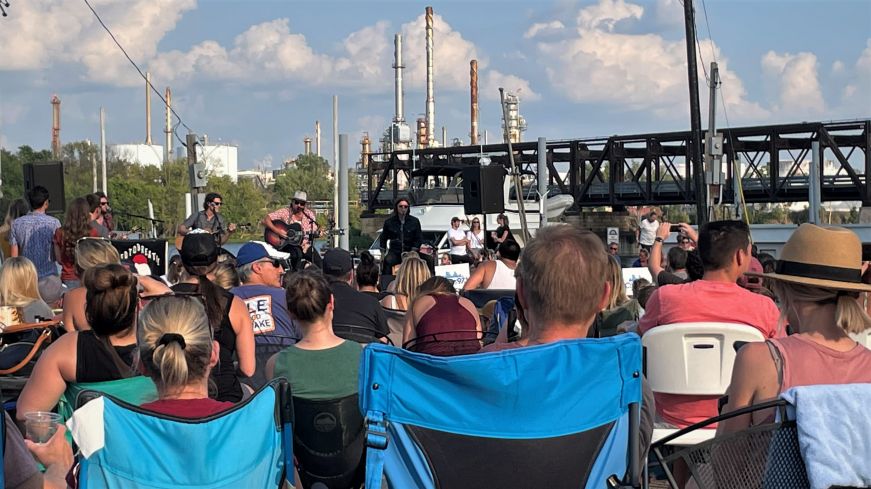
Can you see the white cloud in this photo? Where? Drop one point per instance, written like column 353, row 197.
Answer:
column 543, row 28
column 797, row 82
column 493, row 80
column 643, row 72
column 852, row 93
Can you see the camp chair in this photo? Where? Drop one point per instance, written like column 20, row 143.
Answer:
column 562, row 415
column 265, row 346
column 763, row 456
column 248, row 445
column 360, row 334
column 396, row 323
column 134, row 390
column 447, row 343
column 328, row 442
column 693, row 359
column 480, row 297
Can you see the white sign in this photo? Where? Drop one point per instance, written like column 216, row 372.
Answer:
column 458, row 274
column 632, row 274
column 613, row 235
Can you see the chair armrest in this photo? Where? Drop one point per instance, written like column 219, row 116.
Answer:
column 18, row 328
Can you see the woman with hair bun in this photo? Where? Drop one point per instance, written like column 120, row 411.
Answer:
column 103, row 353
column 368, row 275
column 178, row 352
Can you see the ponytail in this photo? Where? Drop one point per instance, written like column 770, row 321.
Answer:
column 850, row 315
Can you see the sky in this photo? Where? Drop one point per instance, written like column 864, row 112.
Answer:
column 259, row 73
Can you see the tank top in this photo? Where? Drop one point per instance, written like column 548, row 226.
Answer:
column 806, row 362
column 446, row 329
column 224, row 374
column 94, row 361
column 503, row 277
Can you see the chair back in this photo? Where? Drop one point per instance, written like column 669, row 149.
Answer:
column 265, row 346
column 360, row 334
column 134, row 390
column 693, row 358
column 249, row 445
column 480, row 297
column 566, row 412
column 328, row 441
column 396, row 323
column 447, row 343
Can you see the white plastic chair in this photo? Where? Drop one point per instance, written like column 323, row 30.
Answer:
column 693, row 359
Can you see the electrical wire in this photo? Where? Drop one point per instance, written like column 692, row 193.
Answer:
column 139, row 70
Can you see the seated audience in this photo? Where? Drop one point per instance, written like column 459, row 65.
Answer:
column 498, row 273
column 619, row 308
column 228, row 315
column 724, row 247
column 262, row 293
column 89, row 254
column 18, row 288
column 178, row 352
column 555, row 305
column 643, row 257
column 412, row 272
column 320, row 366
column 102, row 353
column 368, row 275
column 442, row 322
column 351, row 307
column 818, row 282
column 226, row 276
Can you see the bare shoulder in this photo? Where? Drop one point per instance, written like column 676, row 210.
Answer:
column 754, row 355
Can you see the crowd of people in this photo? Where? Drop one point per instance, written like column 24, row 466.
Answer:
column 198, row 340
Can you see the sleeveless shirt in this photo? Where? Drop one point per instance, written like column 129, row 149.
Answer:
column 503, row 277
column 447, row 328
column 806, row 362
column 94, row 362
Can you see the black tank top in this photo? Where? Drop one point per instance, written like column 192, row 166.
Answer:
column 94, row 361
column 224, row 374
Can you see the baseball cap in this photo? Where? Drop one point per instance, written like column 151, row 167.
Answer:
column 251, row 252
column 199, row 249
column 337, row 262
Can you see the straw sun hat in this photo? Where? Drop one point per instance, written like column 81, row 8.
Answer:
column 828, row 257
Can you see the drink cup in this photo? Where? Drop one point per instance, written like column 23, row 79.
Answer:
column 40, row 425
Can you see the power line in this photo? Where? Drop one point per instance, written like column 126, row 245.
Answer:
column 100, row 20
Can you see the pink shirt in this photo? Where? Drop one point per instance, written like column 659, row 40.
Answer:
column 283, row 214
column 806, row 362
column 703, row 301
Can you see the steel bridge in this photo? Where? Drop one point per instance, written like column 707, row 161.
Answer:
column 656, row 168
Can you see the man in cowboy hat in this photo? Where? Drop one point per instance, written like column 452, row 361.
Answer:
column 296, row 213
column 724, row 247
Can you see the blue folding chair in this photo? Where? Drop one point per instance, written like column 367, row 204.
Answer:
column 562, row 415
column 249, row 445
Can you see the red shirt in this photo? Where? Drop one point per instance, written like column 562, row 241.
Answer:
column 67, row 261
column 188, row 408
column 704, row 301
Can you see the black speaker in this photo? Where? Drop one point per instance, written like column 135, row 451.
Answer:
column 48, row 174
column 483, row 192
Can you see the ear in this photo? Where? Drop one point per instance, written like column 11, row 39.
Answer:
column 741, row 258
column 216, row 352
column 603, row 301
column 521, row 294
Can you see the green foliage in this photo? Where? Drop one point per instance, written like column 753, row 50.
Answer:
column 309, row 173
column 245, row 203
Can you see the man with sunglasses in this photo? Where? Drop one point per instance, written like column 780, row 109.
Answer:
column 209, row 220
column 404, row 234
column 260, row 270
column 105, row 218
column 296, row 213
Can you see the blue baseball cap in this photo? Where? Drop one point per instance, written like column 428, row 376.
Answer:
column 251, row 252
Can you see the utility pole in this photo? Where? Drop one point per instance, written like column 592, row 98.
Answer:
column 103, row 147
column 335, row 164
column 695, row 115
column 713, row 142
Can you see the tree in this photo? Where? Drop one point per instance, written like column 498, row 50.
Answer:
column 244, row 203
column 309, row 173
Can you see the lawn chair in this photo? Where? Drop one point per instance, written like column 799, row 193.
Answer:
column 360, row 334
column 125, row 446
column 693, row 359
column 562, row 415
column 328, row 441
column 480, row 297
column 133, row 390
column 265, row 346
column 447, row 343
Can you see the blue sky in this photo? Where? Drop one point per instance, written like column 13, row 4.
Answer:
column 259, row 73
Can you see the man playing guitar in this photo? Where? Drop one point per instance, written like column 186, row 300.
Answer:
column 208, row 220
column 294, row 218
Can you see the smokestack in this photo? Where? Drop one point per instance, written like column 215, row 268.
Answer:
column 473, row 85
column 147, row 108
column 318, row 138
column 422, row 136
column 398, row 115
column 167, row 151
column 55, row 126
column 364, row 151
column 430, row 97
column 444, row 137
column 307, row 142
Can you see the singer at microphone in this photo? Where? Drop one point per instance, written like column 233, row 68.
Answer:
column 295, row 212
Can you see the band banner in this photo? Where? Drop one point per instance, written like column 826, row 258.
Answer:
column 143, row 256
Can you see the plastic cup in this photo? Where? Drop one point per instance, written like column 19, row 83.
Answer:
column 40, row 425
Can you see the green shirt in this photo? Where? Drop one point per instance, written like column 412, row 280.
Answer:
column 320, row 374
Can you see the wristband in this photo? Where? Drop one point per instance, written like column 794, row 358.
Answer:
column 658, row 240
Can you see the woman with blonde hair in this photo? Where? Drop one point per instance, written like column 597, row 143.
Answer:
column 178, row 352
column 18, row 288
column 818, row 279
column 619, row 309
column 412, row 272
column 89, row 253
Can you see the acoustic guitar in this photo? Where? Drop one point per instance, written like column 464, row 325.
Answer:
column 294, row 233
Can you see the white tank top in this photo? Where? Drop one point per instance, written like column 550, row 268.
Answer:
column 503, row 277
